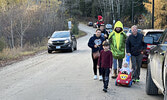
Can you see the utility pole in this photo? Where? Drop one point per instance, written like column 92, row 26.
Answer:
column 132, row 10
column 153, row 14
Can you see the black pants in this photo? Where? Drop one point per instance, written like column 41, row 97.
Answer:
column 105, row 74
column 95, row 61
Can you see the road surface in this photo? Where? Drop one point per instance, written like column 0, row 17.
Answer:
column 64, row 76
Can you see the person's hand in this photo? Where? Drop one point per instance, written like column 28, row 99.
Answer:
column 142, row 52
column 128, row 54
column 105, row 35
column 98, row 66
column 95, row 46
column 110, row 70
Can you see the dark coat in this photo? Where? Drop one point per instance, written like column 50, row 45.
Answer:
column 96, row 40
column 135, row 44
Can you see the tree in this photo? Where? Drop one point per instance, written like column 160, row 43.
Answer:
column 160, row 12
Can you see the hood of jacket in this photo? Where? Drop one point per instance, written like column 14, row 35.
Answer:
column 118, row 24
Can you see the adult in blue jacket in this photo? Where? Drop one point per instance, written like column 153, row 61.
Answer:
column 95, row 43
column 135, row 47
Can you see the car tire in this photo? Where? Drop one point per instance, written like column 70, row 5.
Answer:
column 72, row 49
column 116, row 83
column 151, row 88
column 49, row 51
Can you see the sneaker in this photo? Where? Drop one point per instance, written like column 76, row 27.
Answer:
column 100, row 78
column 105, row 90
column 133, row 80
column 95, row 77
column 137, row 80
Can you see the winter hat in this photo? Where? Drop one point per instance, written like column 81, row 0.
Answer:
column 126, row 62
column 100, row 17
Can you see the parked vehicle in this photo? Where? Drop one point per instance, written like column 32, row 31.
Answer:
column 109, row 28
column 126, row 29
column 156, row 77
column 95, row 25
column 130, row 32
column 62, row 40
column 90, row 23
column 156, row 34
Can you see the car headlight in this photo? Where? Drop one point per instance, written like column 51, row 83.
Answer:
column 66, row 41
column 50, row 42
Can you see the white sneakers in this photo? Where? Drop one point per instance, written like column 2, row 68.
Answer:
column 100, row 78
column 95, row 77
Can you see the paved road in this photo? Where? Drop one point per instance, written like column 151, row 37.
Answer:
column 64, row 76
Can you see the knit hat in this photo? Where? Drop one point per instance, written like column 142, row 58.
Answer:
column 100, row 17
column 126, row 62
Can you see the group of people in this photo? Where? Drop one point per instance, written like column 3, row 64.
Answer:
column 109, row 49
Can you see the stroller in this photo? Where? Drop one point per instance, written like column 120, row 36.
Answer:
column 124, row 78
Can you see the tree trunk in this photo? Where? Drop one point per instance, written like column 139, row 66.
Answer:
column 11, row 32
column 21, row 35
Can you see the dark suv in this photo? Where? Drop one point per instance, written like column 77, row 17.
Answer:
column 156, row 78
column 62, row 40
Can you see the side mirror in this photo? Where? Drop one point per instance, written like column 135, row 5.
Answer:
column 148, row 39
column 48, row 37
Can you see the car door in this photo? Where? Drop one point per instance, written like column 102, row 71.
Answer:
column 159, row 61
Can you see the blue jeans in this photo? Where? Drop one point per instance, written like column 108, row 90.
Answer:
column 119, row 63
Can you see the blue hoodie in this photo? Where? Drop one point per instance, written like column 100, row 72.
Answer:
column 96, row 40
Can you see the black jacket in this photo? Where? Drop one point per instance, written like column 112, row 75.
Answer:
column 135, row 44
column 96, row 40
column 105, row 32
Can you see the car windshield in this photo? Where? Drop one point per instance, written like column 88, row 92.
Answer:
column 155, row 35
column 139, row 31
column 60, row 35
column 125, row 31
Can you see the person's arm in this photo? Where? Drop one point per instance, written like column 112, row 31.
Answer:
column 99, row 60
column 91, row 43
column 111, row 59
column 128, row 46
column 144, row 44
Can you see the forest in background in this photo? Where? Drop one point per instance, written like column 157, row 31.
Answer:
column 28, row 23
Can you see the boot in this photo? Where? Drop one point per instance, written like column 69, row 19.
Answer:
column 115, row 74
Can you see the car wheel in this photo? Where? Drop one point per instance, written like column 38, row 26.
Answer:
column 49, row 51
column 72, row 49
column 116, row 83
column 151, row 88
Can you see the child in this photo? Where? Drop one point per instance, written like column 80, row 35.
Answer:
column 125, row 69
column 105, row 62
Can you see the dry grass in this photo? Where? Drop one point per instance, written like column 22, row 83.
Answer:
column 16, row 53
column 81, row 34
